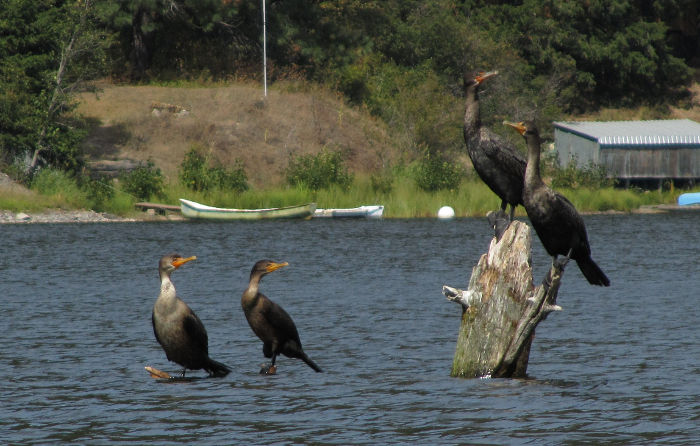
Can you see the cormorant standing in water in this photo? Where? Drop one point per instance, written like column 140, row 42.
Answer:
column 270, row 322
column 178, row 330
column 556, row 221
column 497, row 163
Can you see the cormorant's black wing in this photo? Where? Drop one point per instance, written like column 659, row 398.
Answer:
column 195, row 331
column 504, row 154
column 282, row 322
column 153, row 323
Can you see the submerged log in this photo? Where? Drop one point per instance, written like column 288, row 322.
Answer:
column 501, row 308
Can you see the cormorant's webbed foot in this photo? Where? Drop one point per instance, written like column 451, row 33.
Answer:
column 499, row 221
column 268, row 369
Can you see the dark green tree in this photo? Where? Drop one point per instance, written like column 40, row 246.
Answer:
column 47, row 52
column 603, row 51
column 171, row 38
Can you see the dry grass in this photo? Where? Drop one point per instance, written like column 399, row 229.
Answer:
column 232, row 122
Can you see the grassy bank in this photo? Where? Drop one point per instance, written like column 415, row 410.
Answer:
column 405, row 200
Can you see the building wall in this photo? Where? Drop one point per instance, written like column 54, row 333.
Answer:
column 629, row 162
column 570, row 147
column 661, row 163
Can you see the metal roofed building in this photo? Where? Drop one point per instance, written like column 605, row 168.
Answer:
column 633, row 150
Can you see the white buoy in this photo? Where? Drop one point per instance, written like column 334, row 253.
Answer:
column 446, row 213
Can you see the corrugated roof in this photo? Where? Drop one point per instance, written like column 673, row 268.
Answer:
column 670, row 132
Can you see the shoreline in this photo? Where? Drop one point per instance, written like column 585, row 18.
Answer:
column 49, row 216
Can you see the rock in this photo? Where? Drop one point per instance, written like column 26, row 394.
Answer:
column 112, row 168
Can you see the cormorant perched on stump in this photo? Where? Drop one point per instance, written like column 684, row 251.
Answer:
column 498, row 163
column 178, row 330
column 556, row 221
column 270, row 322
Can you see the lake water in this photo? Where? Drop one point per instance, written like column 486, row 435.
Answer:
column 619, row 365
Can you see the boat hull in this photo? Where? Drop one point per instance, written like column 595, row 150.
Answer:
column 192, row 209
column 689, row 199
column 375, row 211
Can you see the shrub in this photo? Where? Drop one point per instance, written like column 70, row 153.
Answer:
column 230, row 179
column 318, row 171
column 383, row 182
column 144, row 181
column 435, row 172
column 53, row 181
column 591, row 176
column 59, row 184
column 193, row 171
column 99, row 192
column 197, row 176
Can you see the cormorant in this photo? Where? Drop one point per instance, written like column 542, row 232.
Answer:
column 497, row 162
column 270, row 322
column 556, row 221
column 178, row 330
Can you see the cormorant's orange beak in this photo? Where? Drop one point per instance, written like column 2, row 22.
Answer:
column 275, row 266
column 519, row 126
column 483, row 76
column 181, row 261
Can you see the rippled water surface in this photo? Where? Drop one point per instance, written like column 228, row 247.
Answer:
column 618, row 365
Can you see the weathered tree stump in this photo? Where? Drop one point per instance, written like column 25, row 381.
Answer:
column 501, row 308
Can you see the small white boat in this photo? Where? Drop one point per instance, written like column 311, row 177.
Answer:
column 373, row 211
column 192, row 209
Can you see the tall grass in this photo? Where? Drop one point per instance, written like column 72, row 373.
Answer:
column 405, row 200
column 611, row 199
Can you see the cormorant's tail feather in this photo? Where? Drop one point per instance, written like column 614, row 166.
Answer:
column 310, row 363
column 216, row 369
column 592, row 272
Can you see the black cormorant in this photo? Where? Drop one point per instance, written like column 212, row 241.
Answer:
column 178, row 330
column 556, row 221
column 497, row 162
column 270, row 322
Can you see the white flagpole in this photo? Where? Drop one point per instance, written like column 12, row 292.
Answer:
column 264, row 49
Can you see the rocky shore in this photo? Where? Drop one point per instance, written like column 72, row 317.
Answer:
column 60, row 216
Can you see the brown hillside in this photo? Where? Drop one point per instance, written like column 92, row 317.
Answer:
column 231, row 122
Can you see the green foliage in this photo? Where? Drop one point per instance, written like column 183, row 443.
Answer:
column 234, row 179
column 196, row 174
column 53, row 181
column 99, row 191
column 193, row 171
column 318, row 171
column 435, row 172
column 62, row 186
column 383, row 182
column 163, row 39
column 592, row 176
column 600, row 51
column 143, row 182
column 47, row 51
column 413, row 101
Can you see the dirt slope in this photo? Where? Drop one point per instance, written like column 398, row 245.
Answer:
column 231, row 122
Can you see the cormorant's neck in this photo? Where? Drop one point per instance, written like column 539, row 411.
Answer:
column 472, row 120
column 532, row 171
column 167, row 288
column 167, row 299
column 251, row 293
